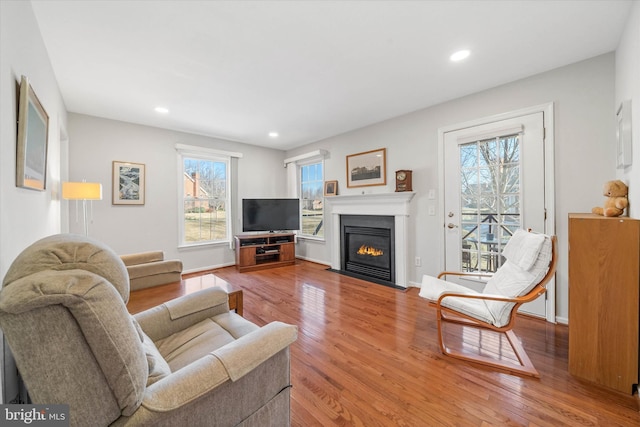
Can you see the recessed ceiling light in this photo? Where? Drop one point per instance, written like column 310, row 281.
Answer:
column 162, row 110
column 273, row 134
column 460, row 55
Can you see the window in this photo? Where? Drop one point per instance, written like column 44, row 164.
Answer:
column 490, row 198
column 312, row 200
column 205, row 199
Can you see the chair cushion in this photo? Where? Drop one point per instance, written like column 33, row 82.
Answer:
column 158, row 367
column 63, row 252
column 433, row 287
column 190, row 344
column 513, row 281
column 153, row 268
column 523, row 248
column 142, row 257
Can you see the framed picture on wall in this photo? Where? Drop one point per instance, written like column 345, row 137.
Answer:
column 31, row 147
column 128, row 183
column 366, row 169
column 330, row 188
column 623, row 135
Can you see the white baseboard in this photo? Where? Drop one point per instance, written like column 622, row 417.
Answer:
column 316, row 261
column 208, row 267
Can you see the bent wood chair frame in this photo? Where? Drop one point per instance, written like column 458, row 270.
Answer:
column 446, row 314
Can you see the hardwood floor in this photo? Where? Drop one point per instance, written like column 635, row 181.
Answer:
column 367, row 355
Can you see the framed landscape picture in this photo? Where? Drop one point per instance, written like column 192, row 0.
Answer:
column 31, row 148
column 128, row 183
column 366, row 169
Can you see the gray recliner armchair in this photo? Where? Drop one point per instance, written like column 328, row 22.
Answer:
column 187, row 362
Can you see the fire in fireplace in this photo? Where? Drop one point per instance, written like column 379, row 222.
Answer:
column 369, row 250
column 367, row 247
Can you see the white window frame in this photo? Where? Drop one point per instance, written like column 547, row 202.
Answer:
column 294, row 182
column 299, row 165
column 202, row 153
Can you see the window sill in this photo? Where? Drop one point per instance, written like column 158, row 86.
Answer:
column 311, row 238
column 203, row 244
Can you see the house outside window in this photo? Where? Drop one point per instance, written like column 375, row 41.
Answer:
column 312, row 200
column 205, row 201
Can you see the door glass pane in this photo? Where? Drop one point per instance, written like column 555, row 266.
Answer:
column 490, row 200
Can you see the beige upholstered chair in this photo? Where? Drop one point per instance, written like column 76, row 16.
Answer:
column 147, row 269
column 530, row 264
column 189, row 362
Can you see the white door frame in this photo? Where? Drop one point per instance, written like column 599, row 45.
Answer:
column 549, row 180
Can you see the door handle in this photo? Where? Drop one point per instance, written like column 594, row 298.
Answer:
column 451, row 225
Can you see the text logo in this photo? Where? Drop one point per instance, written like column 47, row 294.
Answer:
column 34, row 415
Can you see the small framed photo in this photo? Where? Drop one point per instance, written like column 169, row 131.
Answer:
column 128, row 183
column 366, row 169
column 33, row 133
column 331, row 188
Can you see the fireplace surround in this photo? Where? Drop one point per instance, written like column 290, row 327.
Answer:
column 395, row 205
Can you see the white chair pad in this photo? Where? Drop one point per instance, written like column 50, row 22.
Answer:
column 510, row 281
column 523, row 248
column 433, row 287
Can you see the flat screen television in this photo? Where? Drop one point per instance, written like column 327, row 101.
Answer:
column 270, row 214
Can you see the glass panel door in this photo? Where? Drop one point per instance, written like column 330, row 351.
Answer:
column 489, row 200
column 494, row 183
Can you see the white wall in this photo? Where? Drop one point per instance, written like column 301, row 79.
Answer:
column 583, row 97
column 25, row 215
column 628, row 87
column 95, row 142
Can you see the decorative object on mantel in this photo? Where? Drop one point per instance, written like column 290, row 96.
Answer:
column 31, row 148
column 128, row 183
column 616, row 202
column 623, row 133
column 331, row 188
column 367, row 168
column 82, row 191
column 403, row 180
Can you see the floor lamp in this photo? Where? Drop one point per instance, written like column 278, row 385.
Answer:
column 85, row 191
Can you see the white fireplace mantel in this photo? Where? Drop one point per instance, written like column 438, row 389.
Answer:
column 391, row 204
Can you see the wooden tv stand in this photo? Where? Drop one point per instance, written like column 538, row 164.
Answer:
column 258, row 251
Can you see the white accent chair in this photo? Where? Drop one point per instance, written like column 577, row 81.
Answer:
column 530, row 264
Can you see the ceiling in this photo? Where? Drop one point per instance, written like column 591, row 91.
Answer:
column 308, row 70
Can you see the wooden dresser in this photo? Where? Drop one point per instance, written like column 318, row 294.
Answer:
column 604, row 314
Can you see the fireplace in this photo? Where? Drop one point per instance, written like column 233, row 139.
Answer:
column 368, row 247
column 396, row 205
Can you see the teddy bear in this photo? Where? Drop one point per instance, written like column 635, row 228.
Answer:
column 616, row 192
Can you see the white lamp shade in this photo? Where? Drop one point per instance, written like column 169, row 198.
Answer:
column 82, row 190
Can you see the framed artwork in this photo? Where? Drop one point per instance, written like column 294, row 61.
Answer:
column 33, row 131
column 128, row 183
column 330, row 188
column 623, row 134
column 366, row 169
